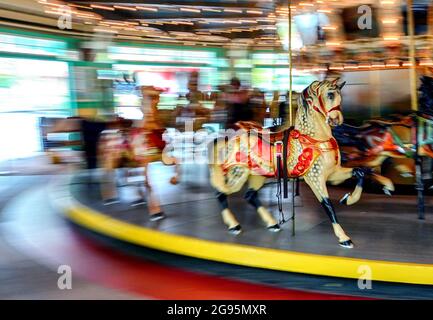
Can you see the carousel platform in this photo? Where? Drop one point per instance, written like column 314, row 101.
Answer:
column 388, row 237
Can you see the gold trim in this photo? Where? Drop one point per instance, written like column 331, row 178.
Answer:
column 245, row 255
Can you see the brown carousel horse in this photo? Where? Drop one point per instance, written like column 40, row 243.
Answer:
column 136, row 147
column 374, row 142
column 311, row 152
column 377, row 140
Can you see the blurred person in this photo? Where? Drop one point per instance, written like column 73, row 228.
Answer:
column 219, row 112
column 91, row 133
column 258, row 105
column 219, row 97
column 237, row 100
column 194, row 110
column 194, row 95
column 283, row 109
column 150, row 123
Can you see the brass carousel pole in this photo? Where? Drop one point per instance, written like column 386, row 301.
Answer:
column 290, row 103
column 290, row 63
column 414, row 106
column 413, row 79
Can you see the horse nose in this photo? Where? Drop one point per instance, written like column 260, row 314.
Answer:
column 335, row 118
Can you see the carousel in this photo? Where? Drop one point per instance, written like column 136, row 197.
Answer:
column 337, row 187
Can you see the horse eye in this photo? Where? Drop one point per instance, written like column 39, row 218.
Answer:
column 331, row 95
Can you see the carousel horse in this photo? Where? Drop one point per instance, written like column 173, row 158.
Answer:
column 426, row 114
column 134, row 147
column 372, row 143
column 377, row 140
column 308, row 150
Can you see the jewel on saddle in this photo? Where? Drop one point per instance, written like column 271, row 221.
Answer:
column 304, row 163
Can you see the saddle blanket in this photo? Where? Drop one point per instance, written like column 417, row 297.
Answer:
column 260, row 156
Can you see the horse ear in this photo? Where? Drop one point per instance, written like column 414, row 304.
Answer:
column 314, row 85
column 341, row 85
column 335, row 81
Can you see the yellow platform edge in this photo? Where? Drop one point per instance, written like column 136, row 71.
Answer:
column 247, row 255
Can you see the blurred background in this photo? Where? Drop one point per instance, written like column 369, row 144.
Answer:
column 87, row 58
column 93, row 69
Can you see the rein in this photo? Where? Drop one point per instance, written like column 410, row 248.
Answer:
column 321, row 109
column 283, row 173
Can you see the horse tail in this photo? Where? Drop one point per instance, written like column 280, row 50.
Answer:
column 217, row 179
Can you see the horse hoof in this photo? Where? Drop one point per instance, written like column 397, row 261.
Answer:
column 157, row 216
column 174, row 180
column 344, row 199
column 274, row 228
column 387, row 192
column 347, row 244
column 406, row 175
column 236, row 230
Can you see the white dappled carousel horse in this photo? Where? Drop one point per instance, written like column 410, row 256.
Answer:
column 312, row 153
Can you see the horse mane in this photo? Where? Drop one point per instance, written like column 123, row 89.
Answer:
column 313, row 89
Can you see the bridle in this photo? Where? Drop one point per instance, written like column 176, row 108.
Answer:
column 321, row 108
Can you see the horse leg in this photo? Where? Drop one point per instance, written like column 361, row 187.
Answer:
column 228, row 217
column 108, row 185
column 255, row 183
column 175, row 179
column 123, row 177
column 225, row 184
column 140, row 191
column 388, row 186
column 168, row 161
column 153, row 205
column 405, row 170
column 340, row 175
column 318, row 186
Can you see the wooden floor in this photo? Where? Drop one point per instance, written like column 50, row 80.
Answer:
column 382, row 227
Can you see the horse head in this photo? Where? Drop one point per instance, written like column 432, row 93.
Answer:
column 324, row 97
